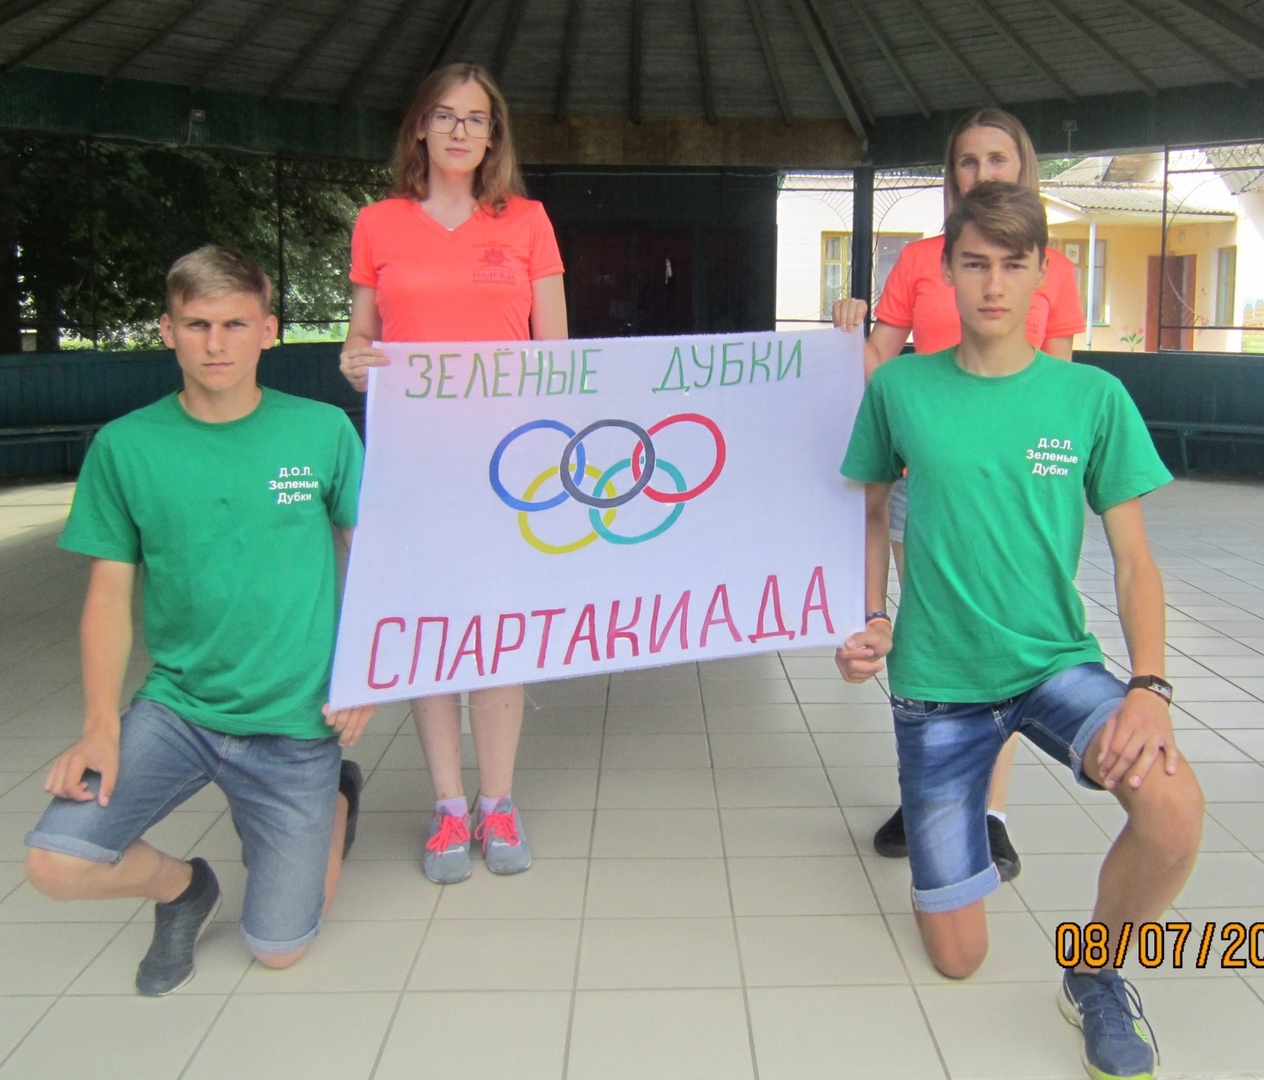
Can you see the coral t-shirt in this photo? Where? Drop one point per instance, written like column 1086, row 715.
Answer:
column 471, row 283
column 915, row 295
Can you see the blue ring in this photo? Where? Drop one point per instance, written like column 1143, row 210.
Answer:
column 494, row 468
column 614, row 538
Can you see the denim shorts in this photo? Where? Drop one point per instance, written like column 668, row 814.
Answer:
column 280, row 792
column 897, row 509
column 947, row 751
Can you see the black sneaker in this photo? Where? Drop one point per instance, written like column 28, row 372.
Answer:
column 350, row 782
column 889, row 840
column 1003, row 853
column 177, row 926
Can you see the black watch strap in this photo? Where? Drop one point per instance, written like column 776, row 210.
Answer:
column 1154, row 684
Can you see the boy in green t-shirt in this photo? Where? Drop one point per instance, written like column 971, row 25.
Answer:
column 1002, row 445
column 225, row 493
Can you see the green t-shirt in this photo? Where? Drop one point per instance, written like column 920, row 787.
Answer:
column 231, row 522
column 998, row 470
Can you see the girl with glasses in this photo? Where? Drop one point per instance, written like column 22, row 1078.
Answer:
column 458, row 253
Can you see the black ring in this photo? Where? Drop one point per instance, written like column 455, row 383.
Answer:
column 572, row 488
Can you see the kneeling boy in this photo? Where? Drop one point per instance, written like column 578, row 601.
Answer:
column 1002, row 445
column 224, row 492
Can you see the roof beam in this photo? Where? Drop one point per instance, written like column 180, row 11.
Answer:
column 570, row 41
column 984, row 8
column 770, row 60
column 155, row 40
column 389, row 34
column 55, row 36
column 941, row 39
column 306, row 53
column 458, row 13
column 216, row 63
column 1077, row 24
column 832, row 67
column 636, row 88
column 704, row 61
column 1239, row 26
column 11, row 12
column 861, row 11
column 508, row 31
column 1166, row 27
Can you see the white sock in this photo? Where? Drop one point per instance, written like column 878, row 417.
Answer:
column 999, row 815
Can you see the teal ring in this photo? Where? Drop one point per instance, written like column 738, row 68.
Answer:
column 614, row 538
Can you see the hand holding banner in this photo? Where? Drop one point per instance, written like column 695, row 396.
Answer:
column 537, row 510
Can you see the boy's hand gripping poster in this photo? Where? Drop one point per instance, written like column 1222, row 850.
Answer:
column 543, row 510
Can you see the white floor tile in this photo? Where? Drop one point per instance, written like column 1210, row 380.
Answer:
column 294, row 1036
column 129, row 1037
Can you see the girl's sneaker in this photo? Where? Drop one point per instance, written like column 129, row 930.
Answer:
column 504, row 846
column 445, row 859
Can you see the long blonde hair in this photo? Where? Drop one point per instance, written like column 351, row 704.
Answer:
column 497, row 176
column 1029, row 173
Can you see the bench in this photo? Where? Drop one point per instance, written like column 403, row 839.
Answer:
column 67, row 434
column 1184, row 430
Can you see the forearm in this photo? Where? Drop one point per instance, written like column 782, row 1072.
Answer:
column 1139, row 594
column 106, row 645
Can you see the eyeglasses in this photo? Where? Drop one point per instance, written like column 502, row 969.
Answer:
column 442, row 122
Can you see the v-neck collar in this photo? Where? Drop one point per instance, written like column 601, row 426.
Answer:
column 442, row 228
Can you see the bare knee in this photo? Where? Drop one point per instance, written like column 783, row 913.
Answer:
column 1170, row 810
column 958, row 960
column 279, row 961
column 58, row 876
column 956, row 941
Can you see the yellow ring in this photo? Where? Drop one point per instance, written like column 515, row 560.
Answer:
column 524, row 519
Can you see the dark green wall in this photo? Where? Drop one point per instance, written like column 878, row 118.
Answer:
column 88, row 387
column 93, row 387
column 1219, row 388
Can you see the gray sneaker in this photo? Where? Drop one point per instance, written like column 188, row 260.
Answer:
column 177, row 926
column 445, row 860
column 504, row 846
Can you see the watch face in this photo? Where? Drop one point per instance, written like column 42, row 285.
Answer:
column 1153, row 683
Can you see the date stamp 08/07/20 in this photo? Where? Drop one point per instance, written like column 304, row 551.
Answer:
column 1159, row 943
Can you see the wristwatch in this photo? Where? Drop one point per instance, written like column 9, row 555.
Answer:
column 1154, row 684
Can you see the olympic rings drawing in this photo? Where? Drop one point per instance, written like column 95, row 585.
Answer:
column 573, row 470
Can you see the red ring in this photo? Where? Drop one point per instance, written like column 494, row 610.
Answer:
column 721, row 452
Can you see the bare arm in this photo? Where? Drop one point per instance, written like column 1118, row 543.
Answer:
column 1141, row 728
column 548, row 309
column 885, row 341
column 105, row 634
column 1059, row 347
column 365, row 327
column 862, row 653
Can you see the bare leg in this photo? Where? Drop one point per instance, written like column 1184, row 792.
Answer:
column 143, row 871
column 1154, row 853
column 438, row 721
column 999, row 789
column 496, row 721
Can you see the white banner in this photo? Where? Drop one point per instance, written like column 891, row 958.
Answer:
column 539, row 510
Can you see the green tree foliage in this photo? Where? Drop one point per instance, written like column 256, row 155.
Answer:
column 98, row 223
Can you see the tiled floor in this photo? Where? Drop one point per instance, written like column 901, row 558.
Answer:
column 705, row 902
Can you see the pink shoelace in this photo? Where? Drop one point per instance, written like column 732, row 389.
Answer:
column 452, row 831
column 499, row 827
